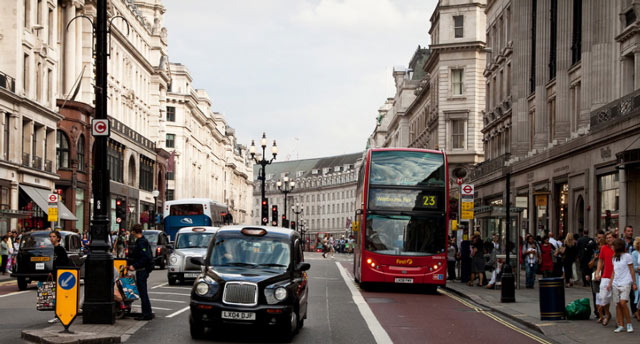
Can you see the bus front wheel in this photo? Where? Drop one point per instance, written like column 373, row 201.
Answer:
column 431, row 289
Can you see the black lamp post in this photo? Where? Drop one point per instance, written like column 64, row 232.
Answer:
column 294, row 209
column 263, row 163
column 508, row 290
column 285, row 188
column 155, row 195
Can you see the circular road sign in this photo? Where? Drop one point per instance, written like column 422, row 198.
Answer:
column 100, row 127
column 53, row 198
column 459, row 180
column 66, row 280
column 467, row 189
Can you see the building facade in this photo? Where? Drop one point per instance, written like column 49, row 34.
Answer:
column 324, row 187
column 568, row 134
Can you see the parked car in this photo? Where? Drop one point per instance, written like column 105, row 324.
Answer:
column 34, row 261
column 160, row 246
column 190, row 242
column 252, row 276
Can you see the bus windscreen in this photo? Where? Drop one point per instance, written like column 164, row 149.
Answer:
column 401, row 235
column 407, row 168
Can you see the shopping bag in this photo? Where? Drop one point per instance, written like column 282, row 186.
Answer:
column 579, row 309
column 46, row 296
column 130, row 289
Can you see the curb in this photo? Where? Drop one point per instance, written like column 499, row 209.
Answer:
column 49, row 337
column 520, row 321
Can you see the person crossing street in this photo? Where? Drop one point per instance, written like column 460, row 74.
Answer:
column 142, row 264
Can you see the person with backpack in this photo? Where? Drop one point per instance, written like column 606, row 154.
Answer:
column 142, row 264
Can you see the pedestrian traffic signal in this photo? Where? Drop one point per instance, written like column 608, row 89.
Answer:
column 293, row 225
column 265, row 211
column 274, row 215
column 121, row 212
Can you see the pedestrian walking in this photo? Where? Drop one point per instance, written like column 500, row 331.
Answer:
column 531, row 255
column 546, row 257
column 465, row 259
column 60, row 258
column 622, row 282
column 452, row 252
column 477, row 260
column 557, row 254
column 603, row 274
column 325, row 246
column 4, row 253
column 569, row 255
column 142, row 264
column 586, row 246
column 629, row 248
column 593, row 263
column 636, row 268
column 332, row 247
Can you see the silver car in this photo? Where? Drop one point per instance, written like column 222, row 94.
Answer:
column 190, row 242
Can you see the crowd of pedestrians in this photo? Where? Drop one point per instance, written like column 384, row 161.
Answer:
column 330, row 246
column 9, row 245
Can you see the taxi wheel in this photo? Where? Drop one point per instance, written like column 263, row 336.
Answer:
column 196, row 329
column 22, row 283
column 162, row 263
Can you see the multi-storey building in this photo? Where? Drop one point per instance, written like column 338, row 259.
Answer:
column 207, row 162
column 568, row 134
column 325, row 187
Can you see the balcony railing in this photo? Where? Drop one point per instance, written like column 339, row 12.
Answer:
column 616, row 111
column 489, row 166
column 25, row 159
column 37, row 162
column 48, row 166
column 7, row 82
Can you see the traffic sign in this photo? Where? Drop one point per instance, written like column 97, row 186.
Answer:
column 52, row 214
column 459, row 181
column 121, row 266
column 466, row 215
column 466, row 206
column 100, row 127
column 67, row 296
column 467, row 189
column 53, row 198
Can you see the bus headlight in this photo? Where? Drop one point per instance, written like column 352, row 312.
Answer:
column 280, row 294
column 202, row 288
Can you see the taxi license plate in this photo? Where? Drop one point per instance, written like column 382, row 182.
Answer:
column 191, row 275
column 404, row 280
column 238, row 315
column 40, row 259
column 39, row 266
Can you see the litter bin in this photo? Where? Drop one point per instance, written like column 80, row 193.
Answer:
column 552, row 298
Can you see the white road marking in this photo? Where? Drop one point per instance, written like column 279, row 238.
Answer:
column 177, row 288
column 381, row 336
column 159, row 286
column 167, row 293
column 154, row 307
column 178, row 312
column 15, row 293
column 173, row 301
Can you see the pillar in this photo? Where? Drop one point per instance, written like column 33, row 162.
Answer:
column 69, row 48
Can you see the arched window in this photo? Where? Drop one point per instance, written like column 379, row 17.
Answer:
column 80, row 153
column 132, row 171
column 62, row 150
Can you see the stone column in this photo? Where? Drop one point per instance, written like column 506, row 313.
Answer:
column 623, row 184
column 14, row 194
column 69, row 48
column 79, row 27
column 636, row 65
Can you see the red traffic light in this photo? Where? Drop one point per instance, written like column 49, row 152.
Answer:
column 118, row 202
column 283, row 217
column 264, row 202
column 274, row 208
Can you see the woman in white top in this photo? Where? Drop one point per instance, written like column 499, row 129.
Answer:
column 622, row 281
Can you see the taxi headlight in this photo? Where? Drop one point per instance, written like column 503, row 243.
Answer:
column 202, row 288
column 173, row 259
column 280, row 294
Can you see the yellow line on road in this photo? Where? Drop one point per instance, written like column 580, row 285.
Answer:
column 496, row 318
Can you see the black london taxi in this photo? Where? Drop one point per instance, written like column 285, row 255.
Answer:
column 34, row 261
column 252, row 275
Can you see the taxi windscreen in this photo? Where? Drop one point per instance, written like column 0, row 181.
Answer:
column 36, row 241
column 193, row 240
column 248, row 251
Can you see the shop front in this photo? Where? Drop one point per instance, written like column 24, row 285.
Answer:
column 34, row 200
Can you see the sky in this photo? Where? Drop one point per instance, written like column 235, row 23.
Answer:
column 310, row 73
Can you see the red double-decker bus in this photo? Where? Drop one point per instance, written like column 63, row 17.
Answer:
column 402, row 220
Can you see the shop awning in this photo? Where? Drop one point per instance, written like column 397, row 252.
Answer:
column 40, row 197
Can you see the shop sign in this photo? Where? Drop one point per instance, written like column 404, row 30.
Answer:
column 521, row 202
column 541, row 200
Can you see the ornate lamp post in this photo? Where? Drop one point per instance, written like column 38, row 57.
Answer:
column 297, row 209
column 263, row 163
column 155, row 195
column 285, row 188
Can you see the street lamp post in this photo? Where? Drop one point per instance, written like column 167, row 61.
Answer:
column 294, row 209
column 263, row 163
column 508, row 290
column 285, row 188
column 155, row 195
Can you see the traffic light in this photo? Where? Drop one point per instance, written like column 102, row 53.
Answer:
column 285, row 223
column 293, row 225
column 121, row 213
column 274, row 215
column 265, row 212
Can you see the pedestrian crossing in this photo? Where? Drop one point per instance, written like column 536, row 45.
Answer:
column 167, row 301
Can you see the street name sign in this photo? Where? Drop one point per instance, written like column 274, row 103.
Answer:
column 67, row 296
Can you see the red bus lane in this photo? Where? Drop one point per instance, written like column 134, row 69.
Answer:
column 414, row 317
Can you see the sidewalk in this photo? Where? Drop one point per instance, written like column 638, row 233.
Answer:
column 94, row 334
column 526, row 311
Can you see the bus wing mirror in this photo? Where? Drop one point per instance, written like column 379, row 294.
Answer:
column 197, row 261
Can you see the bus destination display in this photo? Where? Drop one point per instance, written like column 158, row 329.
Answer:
column 404, row 199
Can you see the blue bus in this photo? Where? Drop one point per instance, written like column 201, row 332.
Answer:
column 194, row 212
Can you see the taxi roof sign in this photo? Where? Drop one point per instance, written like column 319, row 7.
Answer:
column 67, row 296
column 253, row 231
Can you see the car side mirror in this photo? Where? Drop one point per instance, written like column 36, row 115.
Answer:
column 170, row 245
column 303, row 266
column 197, row 261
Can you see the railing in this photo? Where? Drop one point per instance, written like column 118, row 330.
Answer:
column 25, row 159
column 48, row 166
column 7, row 82
column 489, row 166
column 616, row 111
column 37, row 163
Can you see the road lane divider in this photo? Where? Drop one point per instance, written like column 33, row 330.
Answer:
column 381, row 336
column 15, row 293
column 159, row 286
column 178, row 312
column 172, row 301
column 495, row 317
column 168, row 293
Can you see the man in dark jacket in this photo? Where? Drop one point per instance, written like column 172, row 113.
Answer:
column 586, row 247
column 142, row 264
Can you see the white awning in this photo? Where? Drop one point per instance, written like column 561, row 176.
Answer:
column 40, row 196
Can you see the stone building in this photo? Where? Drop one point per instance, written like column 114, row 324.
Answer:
column 567, row 127
column 325, row 187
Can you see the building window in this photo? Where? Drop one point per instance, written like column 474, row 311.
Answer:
column 532, row 53
column 170, row 176
column 115, row 161
column 576, row 39
column 170, row 195
column 27, row 12
column 62, row 150
column 171, row 114
column 80, row 208
column 630, row 17
column 456, row 81
column 80, row 153
column 457, row 133
column 25, row 74
column 458, row 26
column 609, row 197
column 553, row 39
column 7, row 135
column 146, row 173
column 171, row 141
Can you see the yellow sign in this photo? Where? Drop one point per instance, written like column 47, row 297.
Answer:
column 466, row 215
column 52, row 214
column 454, row 225
column 121, row 266
column 67, row 296
column 355, row 226
column 407, row 261
column 541, row 200
column 466, row 206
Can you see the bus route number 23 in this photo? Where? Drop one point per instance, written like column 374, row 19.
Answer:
column 429, row 201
